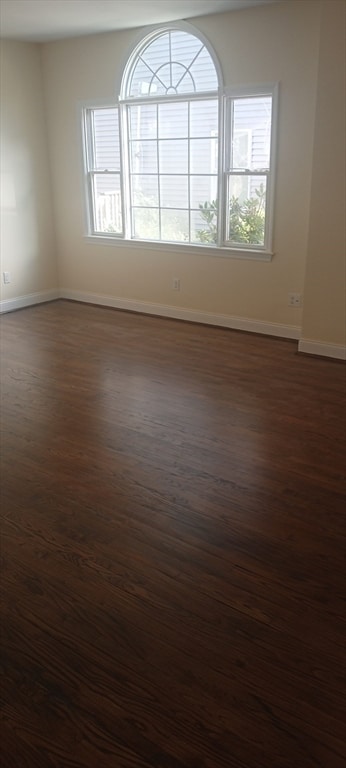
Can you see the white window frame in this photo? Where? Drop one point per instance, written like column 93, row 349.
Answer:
column 90, row 171
column 223, row 248
column 246, row 92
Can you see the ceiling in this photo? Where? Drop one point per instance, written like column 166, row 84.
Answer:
column 41, row 20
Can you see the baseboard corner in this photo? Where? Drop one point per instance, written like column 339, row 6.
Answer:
column 322, row 349
column 28, row 300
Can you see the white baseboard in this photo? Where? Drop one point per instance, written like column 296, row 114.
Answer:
column 322, row 348
column 307, row 346
column 8, row 305
column 180, row 313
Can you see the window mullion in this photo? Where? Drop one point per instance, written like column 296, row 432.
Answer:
column 93, row 211
column 158, row 168
column 88, row 143
column 91, row 144
column 189, row 167
column 91, row 199
column 249, row 173
column 271, row 175
column 125, row 179
column 134, row 101
column 91, row 161
column 222, row 192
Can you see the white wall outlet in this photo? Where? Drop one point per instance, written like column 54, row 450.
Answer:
column 176, row 284
column 6, row 276
column 295, row 299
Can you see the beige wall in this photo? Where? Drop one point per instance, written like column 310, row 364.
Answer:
column 266, row 44
column 27, row 244
column 324, row 317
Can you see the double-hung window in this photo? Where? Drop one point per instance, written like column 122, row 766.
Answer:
column 177, row 159
column 103, row 171
column 248, row 161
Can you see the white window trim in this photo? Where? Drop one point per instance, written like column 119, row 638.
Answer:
column 198, row 249
column 225, row 250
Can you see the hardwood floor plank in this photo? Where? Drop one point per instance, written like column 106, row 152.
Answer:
column 173, row 546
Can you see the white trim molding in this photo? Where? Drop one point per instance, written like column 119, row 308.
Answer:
column 29, row 300
column 306, row 346
column 322, row 348
column 221, row 252
column 182, row 313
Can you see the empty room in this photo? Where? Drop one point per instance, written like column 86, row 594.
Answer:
column 173, row 420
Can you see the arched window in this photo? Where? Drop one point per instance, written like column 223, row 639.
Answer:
column 170, row 96
column 176, row 159
column 169, row 63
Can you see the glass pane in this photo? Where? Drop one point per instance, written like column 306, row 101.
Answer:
column 106, row 139
column 143, row 156
column 157, row 87
column 246, row 204
column 241, row 149
column 203, row 155
column 182, row 79
column 173, row 120
column 140, row 80
column 203, row 189
column 184, row 47
column 204, row 118
column 173, row 156
column 174, row 191
column 204, row 225
column 157, row 52
column 251, row 132
column 107, row 203
column 143, row 121
column 163, row 77
column 144, row 190
column 175, row 61
column 175, row 225
column 203, row 72
column 146, row 223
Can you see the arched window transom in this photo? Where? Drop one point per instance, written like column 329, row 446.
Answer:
column 174, row 62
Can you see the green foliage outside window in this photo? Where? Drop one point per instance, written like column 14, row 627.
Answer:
column 246, row 219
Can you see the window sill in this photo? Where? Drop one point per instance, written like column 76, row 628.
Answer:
column 223, row 252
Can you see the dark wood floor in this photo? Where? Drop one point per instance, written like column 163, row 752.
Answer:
column 172, row 546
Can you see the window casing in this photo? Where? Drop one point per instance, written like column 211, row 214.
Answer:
column 178, row 160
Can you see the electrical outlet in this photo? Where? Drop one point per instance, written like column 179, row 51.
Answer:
column 6, row 276
column 295, row 299
column 176, row 284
